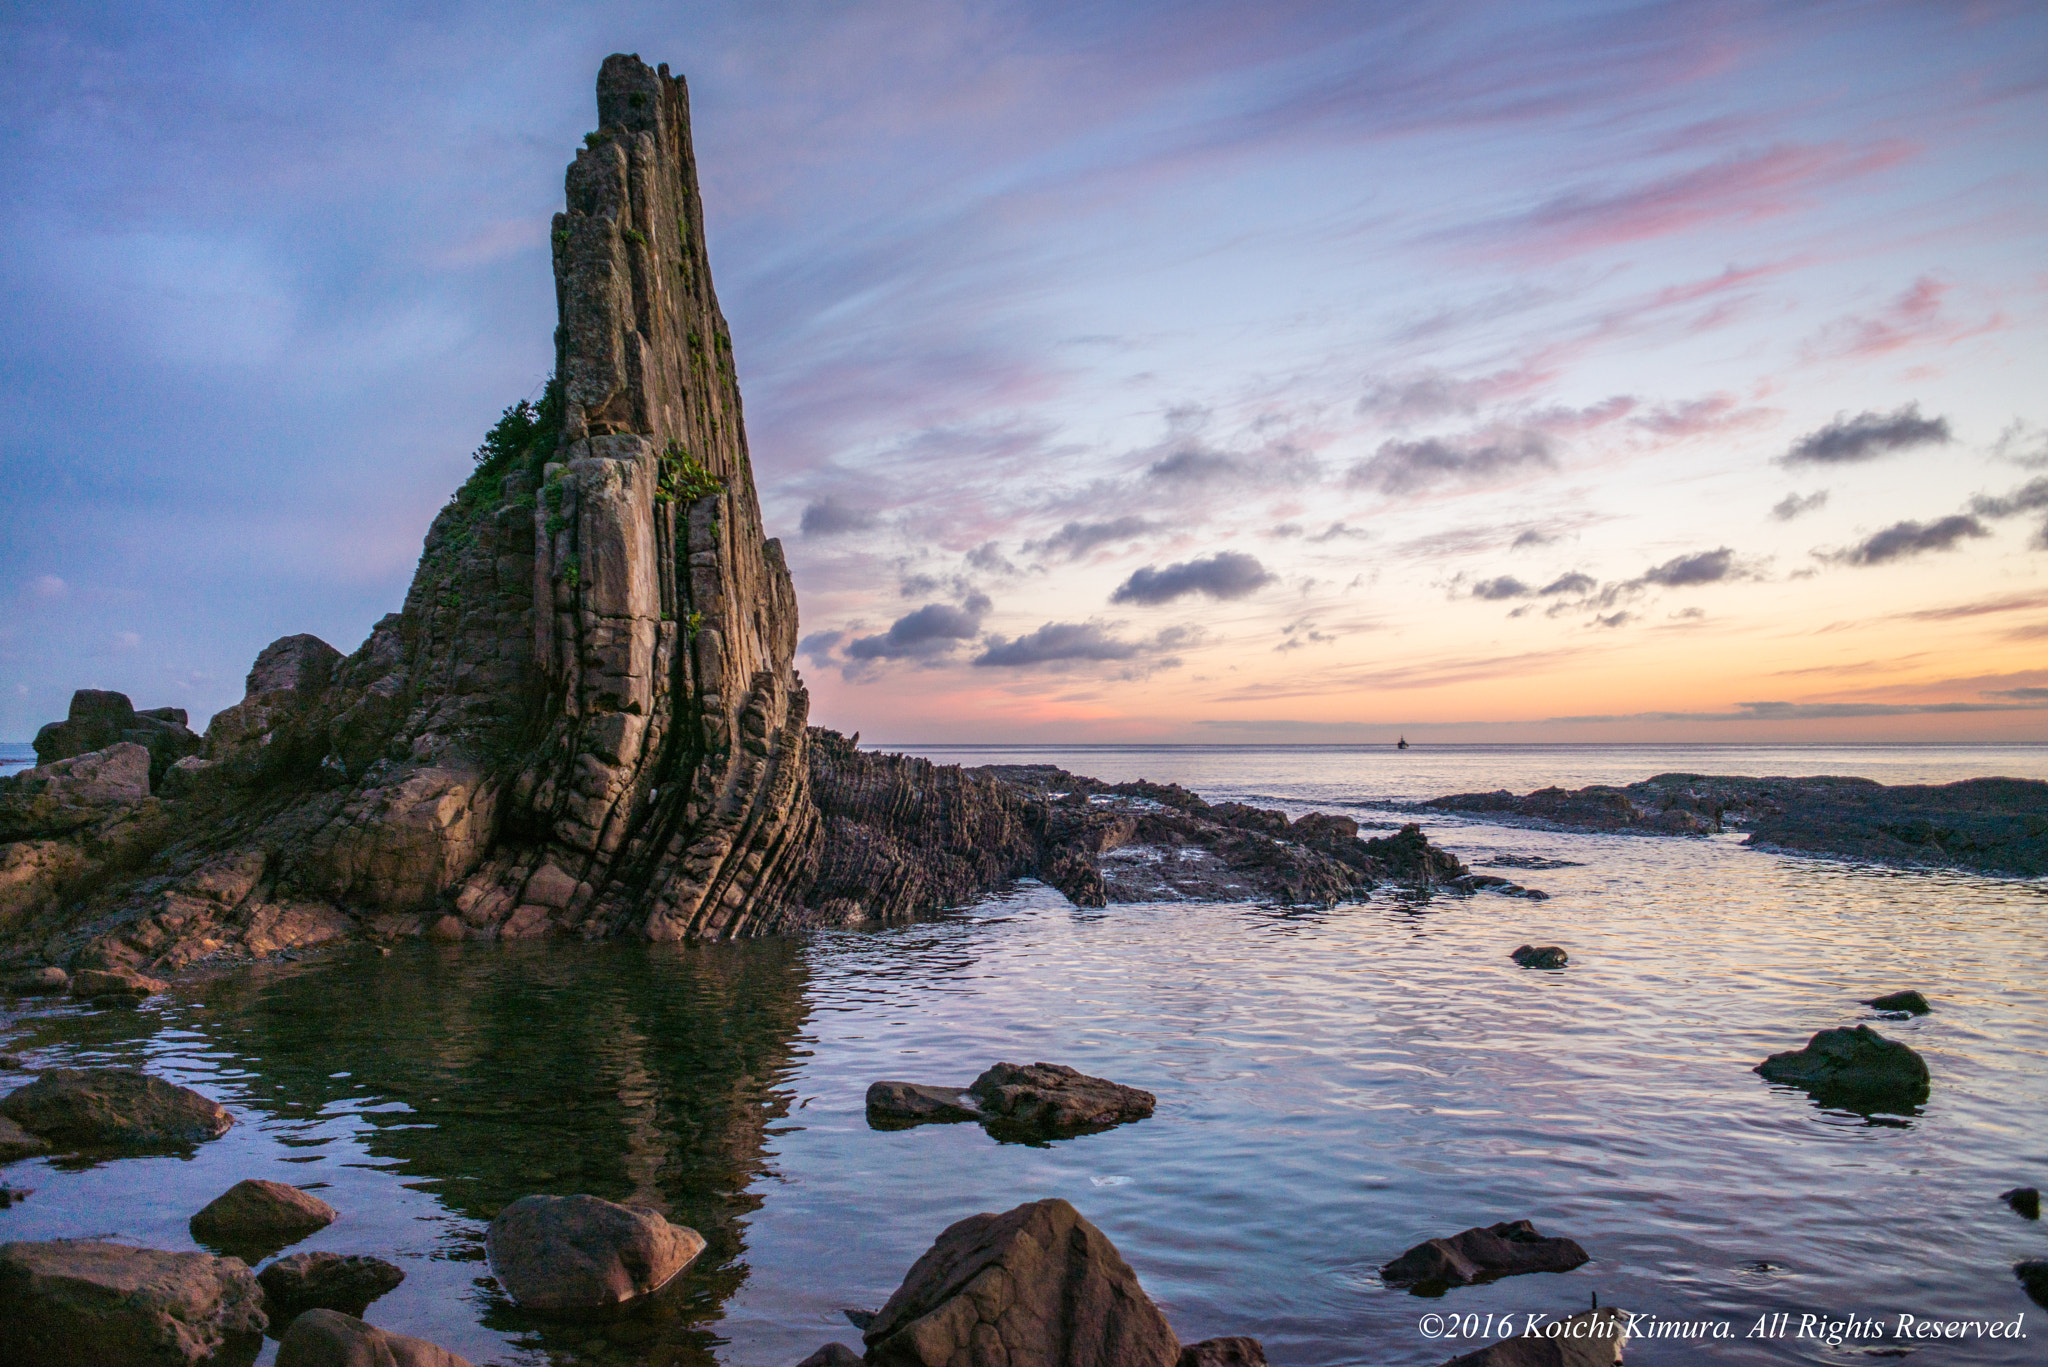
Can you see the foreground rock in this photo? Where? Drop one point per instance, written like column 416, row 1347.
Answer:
column 74, row 1301
column 325, row 1281
column 114, row 1107
column 2033, row 1275
column 48, row 981
column 56, row 799
column 1483, row 1254
column 1855, row 1067
column 1037, row 1284
column 1540, row 956
column 1993, row 825
column 1037, row 1099
column 328, row 1338
column 1224, row 1352
column 118, row 984
column 1591, row 1338
column 833, row 1355
column 1912, row 1003
column 2025, row 1201
column 259, row 1217
column 15, row 1142
column 583, row 1253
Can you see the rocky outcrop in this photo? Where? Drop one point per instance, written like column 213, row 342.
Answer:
column 116, row 984
column 1591, row 1338
column 1856, row 1068
column 1993, row 825
column 347, row 1282
column 15, row 1142
column 1036, row 1284
column 1482, row 1254
column 75, row 1301
column 99, row 719
column 328, row 1338
column 48, row 981
column 255, row 1218
column 113, row 1107
column 584, row 1253
column 1035, row 1100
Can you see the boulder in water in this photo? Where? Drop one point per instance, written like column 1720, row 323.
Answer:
column 833, row 1355
column 325, row 1281
column 47, row 981
column 1482, row 1254
column 2024, row 1200
column 89, row 1107
column 1037, row 1284
column 1855, row 1067
column 1049, row 1097
column 256, row 1218
column 1540, row 956
column 2033, row 1275
column 73, row 1301
column 328, row 1338
column 913, row 1103
column 115, row 984
column 584, row 1253
column 1225, row 1352
column 1910, row 1002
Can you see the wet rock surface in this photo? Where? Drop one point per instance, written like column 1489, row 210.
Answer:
column 832, row 1355
column 254, row 1218
column 72, row 1301
column 1856, row 1068
column 115, row 984
column 1482, row 1254
column 1038, row 1283
column 1235, row 1351
column 584, row 1253
column 1909, row 1002
column 114, row 1108
column 2025, row 1201
column 47, row 981
column 1992, row 825
column 325, row 1281
column 1591, row 1338
column 1540, row 956
column 1019, row 1101
column 328, row 1338
column 2033, row 1275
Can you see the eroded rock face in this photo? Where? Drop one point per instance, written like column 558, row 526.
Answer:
column 73, row 1301
column 1856, row 1068
column 584, row 1253
column 63, row 795
column 114, row 1107
column 1482, row 1254
column 328, row 1338
column 1035, row 1284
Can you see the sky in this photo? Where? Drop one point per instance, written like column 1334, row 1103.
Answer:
column 1198, row 372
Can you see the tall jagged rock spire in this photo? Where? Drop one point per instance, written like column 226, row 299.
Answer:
column 669, row 789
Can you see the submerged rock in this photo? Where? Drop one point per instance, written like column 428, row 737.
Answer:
column 1223, row 1352
column 115, row 984
column 328, row 1338
column 2024, row 1201
column 325, row 1281
column 1856, row 1067
column 47, row 981
column 1482, row 1254
column 1037, row 1284
column 1540, row 956
column 584, row 1253
column 833, row 1355
column 74, row 1301
column 1591, row 1338
column 256, row 1217
column 88, row 1107
column 1912, row 1003
column 914, row 1103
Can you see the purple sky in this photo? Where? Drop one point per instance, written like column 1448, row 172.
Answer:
column 1497, row 371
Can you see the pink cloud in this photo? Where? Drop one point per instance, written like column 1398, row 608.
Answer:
column 1915, row 318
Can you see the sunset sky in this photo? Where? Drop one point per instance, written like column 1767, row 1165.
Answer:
column 1166, row 372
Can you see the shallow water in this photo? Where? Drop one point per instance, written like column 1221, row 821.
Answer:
column 1334, row 1086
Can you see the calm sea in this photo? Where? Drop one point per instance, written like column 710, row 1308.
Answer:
column 1334, row 1085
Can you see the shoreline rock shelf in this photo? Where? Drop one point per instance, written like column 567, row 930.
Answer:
column 1991, row 825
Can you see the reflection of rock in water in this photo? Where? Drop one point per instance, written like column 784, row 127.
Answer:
column 639, row 1073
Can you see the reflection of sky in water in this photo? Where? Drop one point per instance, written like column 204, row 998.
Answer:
column 1334, row 1086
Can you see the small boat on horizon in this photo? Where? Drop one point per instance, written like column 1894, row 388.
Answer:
column 1401, row 744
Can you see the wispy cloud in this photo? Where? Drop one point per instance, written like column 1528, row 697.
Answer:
column 1903, row 539
column 1868, row 436
column 1224, row 575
